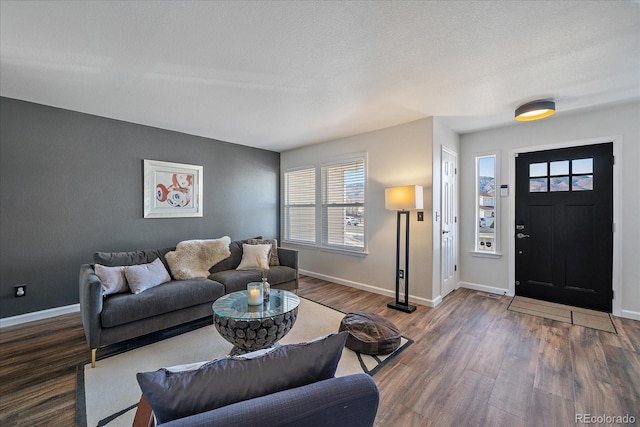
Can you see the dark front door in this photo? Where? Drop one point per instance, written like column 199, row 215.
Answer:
column 564, row 226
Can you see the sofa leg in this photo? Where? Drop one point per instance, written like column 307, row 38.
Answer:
column 93, row 357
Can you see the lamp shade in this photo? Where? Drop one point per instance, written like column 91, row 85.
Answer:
column 535, row 110
column 405, row 198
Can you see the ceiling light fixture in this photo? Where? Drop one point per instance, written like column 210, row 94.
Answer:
column 535, row 110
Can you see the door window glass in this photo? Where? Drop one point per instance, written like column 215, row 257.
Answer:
column 538, row 169
column 538, row 185
column 559, row 168
column 558, row 176
column 582, row 182
column 582, row 166
column 582, row 170
column 559, row 183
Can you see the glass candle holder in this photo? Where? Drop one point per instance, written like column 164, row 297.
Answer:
column 254, row 293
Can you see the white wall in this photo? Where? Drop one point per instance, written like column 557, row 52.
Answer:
column 620, row 123
column 400, row 155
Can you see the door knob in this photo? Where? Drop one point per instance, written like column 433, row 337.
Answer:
column 445, row 231
column 522, row 236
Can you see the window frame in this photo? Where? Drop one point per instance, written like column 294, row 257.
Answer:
column 322, row 240
column 285, row 206
column 324, row 215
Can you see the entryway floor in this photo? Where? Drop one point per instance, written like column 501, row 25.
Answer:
column 563, row 313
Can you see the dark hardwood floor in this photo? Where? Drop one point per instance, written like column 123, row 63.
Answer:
column 473, row 363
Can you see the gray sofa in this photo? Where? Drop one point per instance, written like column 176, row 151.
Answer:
column 288, row 385
column 120, row 317
column 344, row 401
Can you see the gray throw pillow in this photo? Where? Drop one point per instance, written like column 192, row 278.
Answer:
column 112, row 278
column 174, row 395
column 146, row 276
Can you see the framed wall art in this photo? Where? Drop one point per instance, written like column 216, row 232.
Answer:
column 172, row 190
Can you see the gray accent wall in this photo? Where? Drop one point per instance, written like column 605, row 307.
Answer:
column 71, row 184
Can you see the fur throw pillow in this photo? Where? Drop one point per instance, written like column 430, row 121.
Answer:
column 194, row 258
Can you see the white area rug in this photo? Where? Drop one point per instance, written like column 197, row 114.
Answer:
column 111, row 391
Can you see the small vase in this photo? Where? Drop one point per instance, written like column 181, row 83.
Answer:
column 266, row 290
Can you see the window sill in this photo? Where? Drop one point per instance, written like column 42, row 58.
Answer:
column 325, row 249
column 493, row 255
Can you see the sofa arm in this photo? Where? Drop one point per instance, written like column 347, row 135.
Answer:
column 90, row 304
column 345, row 401
column 288, row 258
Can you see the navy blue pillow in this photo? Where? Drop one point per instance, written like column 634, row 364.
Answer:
column 221, row 382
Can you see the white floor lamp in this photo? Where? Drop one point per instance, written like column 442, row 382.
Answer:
column 403, row 200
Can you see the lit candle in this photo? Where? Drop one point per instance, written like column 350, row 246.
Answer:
column 254, row 293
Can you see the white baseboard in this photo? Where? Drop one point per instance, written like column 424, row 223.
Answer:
column 373, row 289
column 484, row 288
column 628, row 314
column 39, row 315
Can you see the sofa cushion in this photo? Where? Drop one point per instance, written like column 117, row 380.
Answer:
column 194, row 258
column 236, row 280
column 146, row 276
column 170, row 296
column 112, row 278
column 174, row 395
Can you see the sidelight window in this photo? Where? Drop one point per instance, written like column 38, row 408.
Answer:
column 486, row 201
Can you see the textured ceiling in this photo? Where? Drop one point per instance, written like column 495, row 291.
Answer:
column 278, row 75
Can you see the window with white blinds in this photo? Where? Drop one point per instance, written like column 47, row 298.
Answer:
column 300, row 206
column 343, row 205
column 335, row 212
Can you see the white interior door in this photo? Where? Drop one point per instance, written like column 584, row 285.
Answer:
column 449, row 223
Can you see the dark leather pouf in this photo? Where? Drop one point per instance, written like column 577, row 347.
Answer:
column 370, row 333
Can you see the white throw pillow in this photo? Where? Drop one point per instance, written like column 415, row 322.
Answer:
column 146, row 276
column 273, row 254
column 112, row 278
column 251, row 254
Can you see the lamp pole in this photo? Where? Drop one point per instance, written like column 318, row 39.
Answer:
column 397, row 304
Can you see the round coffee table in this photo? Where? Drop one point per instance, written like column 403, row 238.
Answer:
column 251, row 328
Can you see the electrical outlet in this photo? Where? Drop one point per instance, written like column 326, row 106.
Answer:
column 20, row 291
column 401, row 274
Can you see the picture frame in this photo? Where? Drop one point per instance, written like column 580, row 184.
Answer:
column 172, row 190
